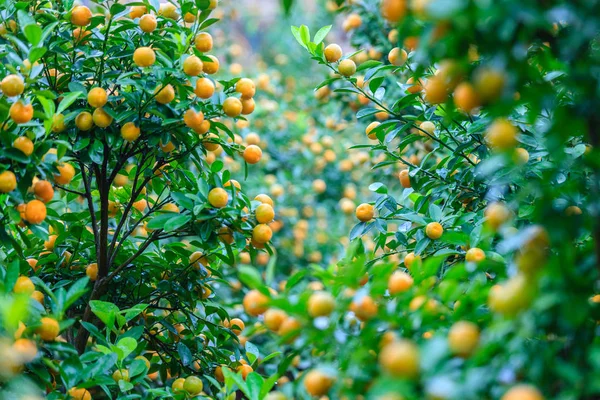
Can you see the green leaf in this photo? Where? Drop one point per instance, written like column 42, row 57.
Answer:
column 177, row 222
column 184, row 354
column 68, row 99
column 321, row 34
column 33, row 33
column 127, row 345
column 296, row 33
column 105, row 311
column 254, row 382
column 75, row 292
column 250, row 276
column 252, row 352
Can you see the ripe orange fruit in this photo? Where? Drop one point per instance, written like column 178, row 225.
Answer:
column 393, row 10
column 245, row 370
column 333, row 53
column 347, row 67
column 49, row 329
column 205, row 88
column 237, row 326
column 263, row 198
column 218, row 197
column 496, row 215
column 262, row 233
column 84, row 121
column 192, row 66
column 255, row 303
column 12, row 85
column 434, row 230
column 92, row 271
column 97, row 97
column 38, row 296
column 365, row 212
column 436, row 90
column 168, row 10
column 144, row 57
column 248, row 106
column 463, row 338
column 489, row 83
column 399, row 282
column 43, row 190
column 415, row 87
column 290, row 329
column 501, row 135
column 410, row 259
column 274, row 318
column 130, row 132
column 80, row 394
column 252, row 154
column 466, row 98
column 264, row 213
column 370, row 128
column 33, row 264
column 194, row 119
column 66, row 172
column 211, row 67
column 317, row 382
column 24, row 144
column 21, row 113
column 232, row 107
column 35, row 212
column 24, row 285
column 397, row 56
column 193, row 385
column 475, row 255
column 8, row 182
column 246, row 88
column 523, row 392
column 520, row 156
column 148, row 23
column 81, row 16
column 101, row 118
column 353, row 21
column 321, row 304
column 177, row 385
column 404, row 178
column 164, row 94
column 365, row 308
column 204, row 42
column 137, row 11
column 400, row 359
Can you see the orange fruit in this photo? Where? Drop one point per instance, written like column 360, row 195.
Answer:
column 436, row 90
column 414, row 87
column 130, row 132
column 192, row 66
column 489, row 83
column 35, row 212
column 80, row 35
column 211, row 67
column 245, row 370
column 523, row 392
column 365, row 212
column 101, row 118
column 24, row 144
column 466, row 98
column 232, row 107
column 43, row 190
column 8, row 182
column 218, row 197
column 81, row 16
column 58, row 123
column 248, row 106
column 148, row 23
column 290, row 328
column 365, row 308
column 38, row 296
column 397, row 56
column 80, row 394
column 24, row 285
column 475, row 255
column 21, row 113
column 234, row 183
column 245, row 87
column 164, row 94
column 255, row 303
column 520, row 156
column 274, row 318
column 84, row 121
column 393, row 10
column 320, row 304
column 496, row 215
column 205, row 88
column 97, row 97
column 434, row 230
column 193, row 119
column 400, row 359
column 237, row 326
column 137, row 11
column 49, row 329
column 193, row 385
column 501, row 135
column 370, row 128
column 317, row 382
column 92, row 271
column 263, row 198
column 404, row 178
column 463, row 338
column 12, row 85
column 399, row 282
column 352, row 21
column 204, row 42
column 347, row 67
column 66, row 172
column 144, row 57
column 264, row 213
column 252, row 154
column 262, row 233
column 168, row 10
column 333, row 53
column 32, row 263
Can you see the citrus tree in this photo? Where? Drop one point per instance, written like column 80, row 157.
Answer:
column 118, row 221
